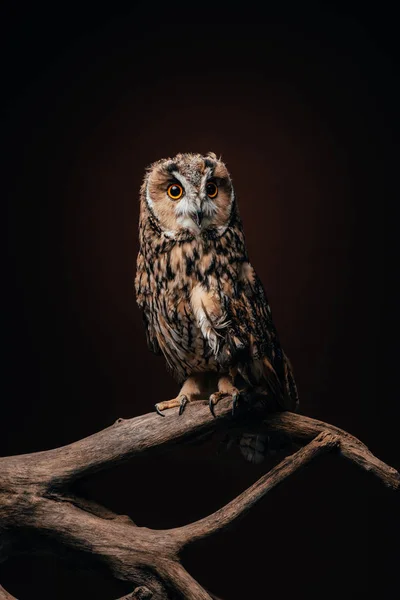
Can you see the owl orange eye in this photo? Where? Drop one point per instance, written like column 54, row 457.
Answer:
column 211, row 189
column 175, row 191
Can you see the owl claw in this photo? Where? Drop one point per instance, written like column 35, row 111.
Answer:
column 184, row 401
column 158, row 410
column 215, row 398
column 211, row 406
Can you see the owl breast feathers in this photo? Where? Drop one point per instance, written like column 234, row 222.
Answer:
column 204, row 307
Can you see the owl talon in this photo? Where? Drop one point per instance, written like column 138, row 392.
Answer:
column 184, row 401
column 158, row 410
column 211, row 406
column 214, row 399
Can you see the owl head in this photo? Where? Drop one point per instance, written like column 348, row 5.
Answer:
column 189, row 193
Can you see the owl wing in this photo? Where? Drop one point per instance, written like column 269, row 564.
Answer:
column 251, row 342
column 143, row 298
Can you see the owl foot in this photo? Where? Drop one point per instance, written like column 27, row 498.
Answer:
column 215, row 398
column 180, row 401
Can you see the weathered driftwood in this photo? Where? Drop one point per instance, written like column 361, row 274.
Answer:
column 37, row 508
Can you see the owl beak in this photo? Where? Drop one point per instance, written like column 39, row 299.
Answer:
column 198, row 217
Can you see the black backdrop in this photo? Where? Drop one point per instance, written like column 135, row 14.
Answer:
column 303, row 110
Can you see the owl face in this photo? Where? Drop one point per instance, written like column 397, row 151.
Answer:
column 188, row 193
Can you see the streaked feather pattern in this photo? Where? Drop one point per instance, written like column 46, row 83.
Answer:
column 204, row 307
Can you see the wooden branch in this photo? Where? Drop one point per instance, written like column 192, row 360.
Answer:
column 4, row 595
column 55, row 469
column 179, row 580
column 35, row 501
column 139, row 593
column 240, row 505
column 303, row 428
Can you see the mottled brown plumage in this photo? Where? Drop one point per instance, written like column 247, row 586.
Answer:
column 203, row 305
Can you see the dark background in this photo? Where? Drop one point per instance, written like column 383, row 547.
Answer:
column 303, row 108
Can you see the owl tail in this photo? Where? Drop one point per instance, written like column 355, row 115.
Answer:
column 256, row 446
column 253, row 447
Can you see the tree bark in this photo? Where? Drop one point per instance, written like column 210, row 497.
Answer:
column 37, row 508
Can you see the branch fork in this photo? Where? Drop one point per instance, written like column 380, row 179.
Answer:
column 35, row 496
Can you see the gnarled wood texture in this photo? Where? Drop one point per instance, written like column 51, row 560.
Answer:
column 37, row 507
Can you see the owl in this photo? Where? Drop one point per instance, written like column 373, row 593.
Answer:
column 204, row 307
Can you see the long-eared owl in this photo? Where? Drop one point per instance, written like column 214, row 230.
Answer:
column 203, row 305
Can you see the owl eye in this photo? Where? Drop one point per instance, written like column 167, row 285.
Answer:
column 175, row 191
column 211, row 189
